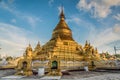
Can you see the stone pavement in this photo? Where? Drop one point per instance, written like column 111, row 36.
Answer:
column 51, row 77
column 82, row 75
column 73, row 75
column 104, row 77
column 12, row 76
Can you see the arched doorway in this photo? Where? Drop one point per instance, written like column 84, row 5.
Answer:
column 92, row 64
column 24, row 65
column 54, row 65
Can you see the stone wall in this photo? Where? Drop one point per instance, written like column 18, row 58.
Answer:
column 73, row 65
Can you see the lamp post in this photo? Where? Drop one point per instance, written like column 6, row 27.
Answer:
column 116, row 49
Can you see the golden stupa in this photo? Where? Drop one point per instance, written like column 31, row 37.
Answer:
column 64, row 47
column 61, row 52
column 61, row 44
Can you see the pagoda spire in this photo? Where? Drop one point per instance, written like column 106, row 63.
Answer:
column 62, row 29
column 89, row 44
column 38, row 43
column 38, row 47
column 96, row 50
column 86, row 43
column 29, row 45
column 62, row 16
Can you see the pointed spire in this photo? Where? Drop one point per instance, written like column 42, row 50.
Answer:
column 96, row 49
column 86, row 43
column 62, row 16
column 37, row 48
column 59, row 29
column 89, row 44
column 38, row 43
column 29, row 45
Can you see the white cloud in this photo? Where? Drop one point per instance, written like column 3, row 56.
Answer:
column 10, row 1
column 60, row 8
column 80, row 22
column 50, row 2
column 6, row 6
column 76, row 20
column 30, row 19
column 13, row 20
column 103, row 38
column 116, row 28
column 98, row 8
column 13, row 40
column 117, row 17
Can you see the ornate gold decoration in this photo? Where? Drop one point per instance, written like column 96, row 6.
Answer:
column 54, row 67
column 24, row 66
column 64, row 47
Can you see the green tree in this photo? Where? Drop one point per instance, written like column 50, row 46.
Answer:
column 9, row 58
column 0, row 59
column 117, row 55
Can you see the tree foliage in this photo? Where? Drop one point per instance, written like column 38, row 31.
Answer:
column 117, row 55
column 9, row 58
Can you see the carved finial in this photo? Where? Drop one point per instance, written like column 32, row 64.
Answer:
column 62, row 16
column 29, row 45
column 37, row 48
column 86, row 43
column 38, row 43
column 89, row 44
column 96, row 49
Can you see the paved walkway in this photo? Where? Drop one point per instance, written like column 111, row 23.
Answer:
column 75, row 75
column 51, row 77
column 104, row 77
column 12, row 76
column 82, row 75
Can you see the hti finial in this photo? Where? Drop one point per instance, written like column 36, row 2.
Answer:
column 29, row 45
column 86, row 42
column 62, row 16
column 38, row 42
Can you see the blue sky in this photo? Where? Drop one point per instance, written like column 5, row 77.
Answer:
column 29, row 21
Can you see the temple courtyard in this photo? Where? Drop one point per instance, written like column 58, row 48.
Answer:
column 81, row 75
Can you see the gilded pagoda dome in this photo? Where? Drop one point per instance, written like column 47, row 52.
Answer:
column 62, row 29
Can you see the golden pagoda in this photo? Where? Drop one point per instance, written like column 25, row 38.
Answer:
column 63, row 47
column 61, row 44
column 61, row 52
column 24, row 66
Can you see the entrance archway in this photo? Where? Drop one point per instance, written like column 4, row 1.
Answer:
column 24, row 65
column 54, row 65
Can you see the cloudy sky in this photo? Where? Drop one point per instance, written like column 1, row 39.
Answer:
column 29, row 21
